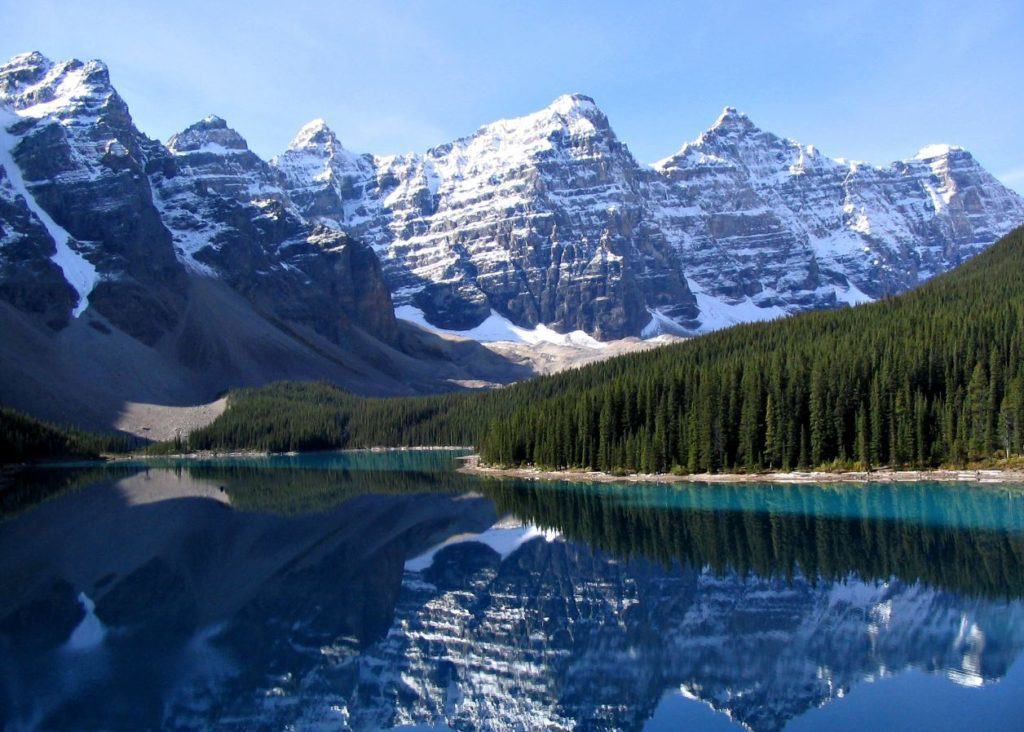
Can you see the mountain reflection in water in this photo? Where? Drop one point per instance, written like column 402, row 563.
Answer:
column 377, row 590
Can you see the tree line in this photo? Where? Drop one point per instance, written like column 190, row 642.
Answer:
column 24, row 438
column 935, row 376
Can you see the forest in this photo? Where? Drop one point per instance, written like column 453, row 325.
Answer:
column 932, row 377
column 927, row 378
column 24, row 438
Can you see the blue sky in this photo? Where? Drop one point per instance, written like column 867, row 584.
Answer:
column 871, row 81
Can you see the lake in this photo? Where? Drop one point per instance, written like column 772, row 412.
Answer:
column 378, row 590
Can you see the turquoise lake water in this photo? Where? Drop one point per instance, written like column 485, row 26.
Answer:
column 376, row 590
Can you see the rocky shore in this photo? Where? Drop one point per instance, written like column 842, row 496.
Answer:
column 472, row 466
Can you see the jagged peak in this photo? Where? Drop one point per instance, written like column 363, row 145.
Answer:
column 576, row 114
column 731, row 119
column 35, row 86
column 314, row 132
column 564, row 110
column 210, row 122
column 731, row 127
column 569, row 104
column 210, row 134
column 27, row 60
column 33, row 66
column 940, row 150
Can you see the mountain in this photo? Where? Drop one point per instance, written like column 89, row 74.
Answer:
column 75, row 171
column 230, row 218
column 769, row 222
column 541, row 219
column 548, row 219
column 134, row 271
column 932, row 377
column 137, row 272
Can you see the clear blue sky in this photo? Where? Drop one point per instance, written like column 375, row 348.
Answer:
column 872, row 81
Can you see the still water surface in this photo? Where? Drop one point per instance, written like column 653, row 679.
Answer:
column 380, row 590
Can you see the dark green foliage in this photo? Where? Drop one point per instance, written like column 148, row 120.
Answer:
column 931, row 377
column 24, row 439
column 297, row 490
column 298, row 416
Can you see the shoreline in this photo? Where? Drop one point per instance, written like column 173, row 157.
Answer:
column 471, row 466
column 208, row 454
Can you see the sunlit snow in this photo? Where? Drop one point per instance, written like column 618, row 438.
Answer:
column 498, row 328
column 89, row 632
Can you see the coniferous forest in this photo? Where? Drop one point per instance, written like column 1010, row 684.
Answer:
column 24, row 438
column 932, row 377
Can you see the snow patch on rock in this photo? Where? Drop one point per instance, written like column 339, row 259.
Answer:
column 79, row 272
column 498, row 328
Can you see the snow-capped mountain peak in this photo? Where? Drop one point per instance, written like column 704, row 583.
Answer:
column 24, row 69
column 37, row 87
column 572, row 115
column 524, row 216
column 543, row 219
column 314, row 132
column 732, row 120
column 721, row 142
column 321, row 175
column 575, row 105
column 930, row 152
column 316, row 155
column 211, row 134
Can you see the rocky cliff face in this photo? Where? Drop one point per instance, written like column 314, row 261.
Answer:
column 77, row 165
column 230, row 219
column 548, row 219
column 125, row 219
column 766, row 221
column 544, row 219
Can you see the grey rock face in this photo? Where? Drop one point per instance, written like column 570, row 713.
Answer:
column 83, row 161
column 230, row 219
column 763, row 218
column 548, row 219
column 29, row 278
column 541, row 218
column 95, row 214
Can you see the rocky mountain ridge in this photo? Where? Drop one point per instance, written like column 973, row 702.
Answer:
column 549, row 219
column 544, row 220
